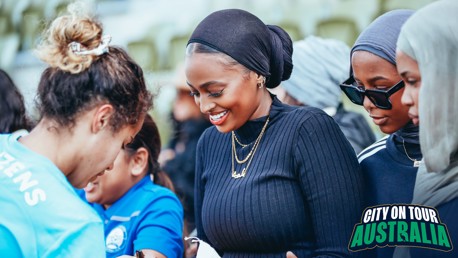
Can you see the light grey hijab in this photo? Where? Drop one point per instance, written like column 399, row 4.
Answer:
column 320, row 65
column 431, row 38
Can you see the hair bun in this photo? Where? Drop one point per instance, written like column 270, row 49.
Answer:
column 281, row 62
column 79, row 25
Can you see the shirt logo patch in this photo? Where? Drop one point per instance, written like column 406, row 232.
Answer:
column 116, row 239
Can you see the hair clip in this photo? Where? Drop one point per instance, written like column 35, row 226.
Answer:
column 77, row 49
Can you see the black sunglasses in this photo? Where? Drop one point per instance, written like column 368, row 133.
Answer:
column 380, row 98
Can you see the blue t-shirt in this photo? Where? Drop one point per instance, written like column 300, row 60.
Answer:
column 41, row 215
column 148, row 216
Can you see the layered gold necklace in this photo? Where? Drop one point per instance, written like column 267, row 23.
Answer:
column 250, row 155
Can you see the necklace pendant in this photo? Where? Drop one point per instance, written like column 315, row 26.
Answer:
column 416, row 163
column 237, row 176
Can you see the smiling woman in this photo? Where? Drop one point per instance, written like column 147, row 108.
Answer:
column 92, row 100
column 264, row 161
column 222, row 82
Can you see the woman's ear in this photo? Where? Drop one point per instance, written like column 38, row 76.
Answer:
column 101, row 117
column 139, row 162
column 260, row 80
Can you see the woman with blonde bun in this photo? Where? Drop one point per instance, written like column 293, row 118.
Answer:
column 92, row 100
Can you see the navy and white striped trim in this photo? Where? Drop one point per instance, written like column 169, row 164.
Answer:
column 374, row 148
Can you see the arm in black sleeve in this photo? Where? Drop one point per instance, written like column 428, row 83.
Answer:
column 331, row 181
column 199, row 190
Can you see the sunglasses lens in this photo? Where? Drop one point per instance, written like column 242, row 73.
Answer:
column 353, row 94
column 379, row 99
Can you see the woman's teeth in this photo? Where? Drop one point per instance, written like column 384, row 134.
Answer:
column 218, row 116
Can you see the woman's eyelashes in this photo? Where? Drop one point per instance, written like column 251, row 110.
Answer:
column 374, row 87
column 210, row 94
column 411, row 82
column 216, row 94
column 371, row 86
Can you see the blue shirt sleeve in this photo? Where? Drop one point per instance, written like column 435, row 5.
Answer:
column 161, row 227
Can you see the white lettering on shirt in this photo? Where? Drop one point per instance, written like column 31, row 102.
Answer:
column 19, row 175
column 5, row 159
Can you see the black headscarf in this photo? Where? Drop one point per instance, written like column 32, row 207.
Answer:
column 264, row 49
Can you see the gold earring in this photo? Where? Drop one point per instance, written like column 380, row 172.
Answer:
column 262, row 83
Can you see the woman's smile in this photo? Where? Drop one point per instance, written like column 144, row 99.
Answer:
column 218, row 118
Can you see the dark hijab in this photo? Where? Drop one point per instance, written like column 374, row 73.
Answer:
column 264, row 49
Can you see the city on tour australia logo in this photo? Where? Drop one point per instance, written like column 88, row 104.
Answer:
column 400, row 225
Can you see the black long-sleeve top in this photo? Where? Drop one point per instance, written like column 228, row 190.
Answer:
column 302, row 191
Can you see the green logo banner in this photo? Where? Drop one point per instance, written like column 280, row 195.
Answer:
column 400, row 225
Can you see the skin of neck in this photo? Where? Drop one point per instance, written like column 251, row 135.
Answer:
column 265, row 103
column 61, row 145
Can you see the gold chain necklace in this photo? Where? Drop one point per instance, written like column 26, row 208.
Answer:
column 416, row 163
column 254, row 145
column 250, row 156
column 237, row 140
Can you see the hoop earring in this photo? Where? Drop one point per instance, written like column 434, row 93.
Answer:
column 262, row 83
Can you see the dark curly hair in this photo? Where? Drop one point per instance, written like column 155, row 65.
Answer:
column 12, row 109
column 148, row 137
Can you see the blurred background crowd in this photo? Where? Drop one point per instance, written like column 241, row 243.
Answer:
column 155, row 33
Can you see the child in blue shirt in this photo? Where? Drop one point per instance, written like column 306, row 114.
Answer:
column 140, row 214
column 92, row 100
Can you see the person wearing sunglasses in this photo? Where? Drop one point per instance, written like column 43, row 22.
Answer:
column 389, row 165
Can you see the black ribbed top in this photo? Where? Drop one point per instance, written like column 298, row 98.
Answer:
column 302, row 191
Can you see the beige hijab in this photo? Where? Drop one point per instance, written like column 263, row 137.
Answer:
column 431, row 38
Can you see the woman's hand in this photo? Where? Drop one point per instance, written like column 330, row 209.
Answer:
column 191, row 251
column 290, row 254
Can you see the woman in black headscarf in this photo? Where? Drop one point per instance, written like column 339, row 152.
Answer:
column 269, row 177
